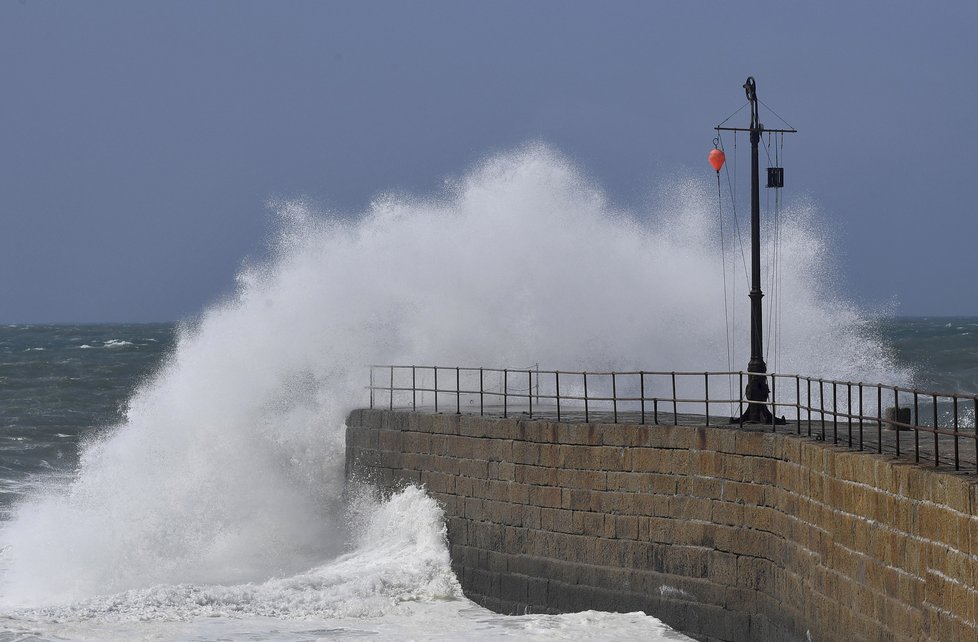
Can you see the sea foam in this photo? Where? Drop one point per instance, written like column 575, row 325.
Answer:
column 223, row 489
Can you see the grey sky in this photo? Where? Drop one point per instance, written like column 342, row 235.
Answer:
column 140, row 142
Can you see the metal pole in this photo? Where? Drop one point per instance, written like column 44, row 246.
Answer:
column 879, row 418
column 614, row 396
column 896, row 418
column 849, row 409
column 675, row 408
column 706, row 393
column 557, row 392
column 587, row 417
column 835, row 414
column 757, row 386
column 641, row 385
column 916, row 430
column 957, row 465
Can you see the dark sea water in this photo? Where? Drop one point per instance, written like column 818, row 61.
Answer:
column 60, row 384
column 942, row 351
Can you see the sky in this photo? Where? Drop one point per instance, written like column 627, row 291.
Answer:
column 142, row 143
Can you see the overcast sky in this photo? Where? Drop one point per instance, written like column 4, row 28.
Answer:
column 141, row 142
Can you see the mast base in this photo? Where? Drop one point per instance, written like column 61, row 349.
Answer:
column 757, row 414
column 757, row 393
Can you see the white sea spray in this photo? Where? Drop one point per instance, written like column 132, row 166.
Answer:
column 222, row 491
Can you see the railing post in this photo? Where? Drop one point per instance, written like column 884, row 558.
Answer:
column 675, row 407
column 849, row 409
column 414, row 389
column 808, row 384
column 614, row 396
column 371, row 387
column 458, row 391
column 896, row 418
column 879, row 418
column 587, row 417
column 706, row 393
column 957, row 465
column 798, row 402
column 835, row 413
column 860, row 416
column 641, row 386
column 557, row 391
column 774, row 404
column 505, row 393
column 482, row 394
column 436, row 389
column 740, row 390
column 821, row 404
column 937, row 457
column 392, row 388
column 916, row 430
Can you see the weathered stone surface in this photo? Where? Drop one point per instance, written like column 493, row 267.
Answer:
column 727, row 534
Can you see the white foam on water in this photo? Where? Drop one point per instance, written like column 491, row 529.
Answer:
column 396, row 583
column 221, row 493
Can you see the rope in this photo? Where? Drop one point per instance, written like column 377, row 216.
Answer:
column 723, row 265
column 732, row 189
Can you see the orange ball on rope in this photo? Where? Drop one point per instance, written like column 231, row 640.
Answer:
column 717, row 158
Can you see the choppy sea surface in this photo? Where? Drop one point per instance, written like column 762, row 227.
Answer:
column 62, row 386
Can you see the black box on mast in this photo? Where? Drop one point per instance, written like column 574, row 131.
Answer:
column 775, row 177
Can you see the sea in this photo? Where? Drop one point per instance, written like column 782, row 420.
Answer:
column 185, row 481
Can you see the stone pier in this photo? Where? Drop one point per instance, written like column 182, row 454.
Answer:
column 724, row 533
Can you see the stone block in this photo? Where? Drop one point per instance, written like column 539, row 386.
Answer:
column 613, row 458
column 576, row 499
column 582, row 479
column 545, row 496
column 707, row 487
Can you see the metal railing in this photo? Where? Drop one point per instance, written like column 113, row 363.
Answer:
column 936, row 427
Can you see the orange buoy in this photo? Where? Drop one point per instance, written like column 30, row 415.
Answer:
column 717, row 158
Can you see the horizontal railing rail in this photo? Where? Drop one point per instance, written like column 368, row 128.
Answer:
column 934, row 427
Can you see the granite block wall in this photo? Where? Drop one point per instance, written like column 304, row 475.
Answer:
column 723, row 533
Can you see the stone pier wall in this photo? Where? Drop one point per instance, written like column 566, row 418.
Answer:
column 723, row 533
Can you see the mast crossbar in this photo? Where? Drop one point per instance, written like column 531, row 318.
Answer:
column 763, row 129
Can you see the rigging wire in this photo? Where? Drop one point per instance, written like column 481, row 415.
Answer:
column 769, row 251
column 730, row 308
column 778, row 116
column 780, row 194
column 723, row 261
column 732, row 189
column 735, row 113
column 774, row 252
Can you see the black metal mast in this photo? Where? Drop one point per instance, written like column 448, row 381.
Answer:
column 757, row 390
